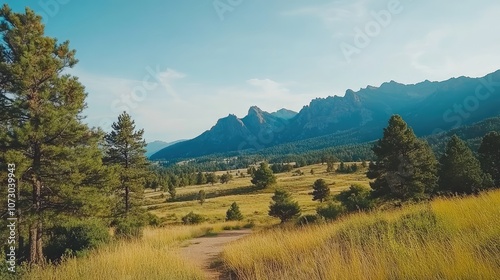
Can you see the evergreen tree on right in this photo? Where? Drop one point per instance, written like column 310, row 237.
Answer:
column 489, row 155
column 460, row 171
column 405, row 167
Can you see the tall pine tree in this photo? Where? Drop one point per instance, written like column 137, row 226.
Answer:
column 58, row 163
column 405, row 167
column 125, row 151
column 460, row 171
column 489, row 155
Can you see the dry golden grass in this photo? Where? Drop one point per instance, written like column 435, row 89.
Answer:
column 455, row 238
column 154, row 256
column 254, row 205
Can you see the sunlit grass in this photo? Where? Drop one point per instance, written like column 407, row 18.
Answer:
column 254, row 205
column 455, row 238
column 154, row 256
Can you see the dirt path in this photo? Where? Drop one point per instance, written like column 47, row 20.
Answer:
column 204, row 250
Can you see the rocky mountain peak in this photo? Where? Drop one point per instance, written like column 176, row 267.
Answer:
column 284, row 114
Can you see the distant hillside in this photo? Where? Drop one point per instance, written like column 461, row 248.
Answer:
column 313, row 150
column 284, row 114
column 230, row 133
column 155, row 146
column 428, row 107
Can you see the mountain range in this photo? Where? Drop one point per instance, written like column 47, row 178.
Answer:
column 155, row 146
column 359, row 116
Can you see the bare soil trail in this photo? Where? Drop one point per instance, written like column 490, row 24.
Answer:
column 203, row 251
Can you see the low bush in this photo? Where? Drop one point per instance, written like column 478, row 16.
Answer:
column 308, row 219
column 74, row 238
column 330, row 211
column 356, row 198
column 128, row 228
column 192, row 219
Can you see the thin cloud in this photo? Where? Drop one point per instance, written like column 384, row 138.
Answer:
column 167, row 79
column 269, row 86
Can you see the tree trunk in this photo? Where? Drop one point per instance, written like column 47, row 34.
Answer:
column 33, row 243
column 36, row 245
column 127, row 202
column 127, row 189
column 36, row 253
column 20, row 222
column 39, row 244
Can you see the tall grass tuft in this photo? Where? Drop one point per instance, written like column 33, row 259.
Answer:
column 449, row 238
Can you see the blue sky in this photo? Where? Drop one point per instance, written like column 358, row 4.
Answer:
column 178, row 66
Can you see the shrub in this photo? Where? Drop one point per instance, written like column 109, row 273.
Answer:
column 356, row 198
column 250, row 224
column 74, row 237
column 153, row 220
column 307, row 220
column 331, row 211
column 192, row 219
column 128, row 227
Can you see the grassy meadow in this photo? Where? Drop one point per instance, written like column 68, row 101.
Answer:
column 254, row 204
column 448, row 238
column 456, row 238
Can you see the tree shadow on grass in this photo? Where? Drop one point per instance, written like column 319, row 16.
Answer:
column 217, row 193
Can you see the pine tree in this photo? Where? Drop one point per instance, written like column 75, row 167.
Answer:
column 283, row 207
column 329, row 165
column 172, row 191
column 57, row 157
column 263, row 177
column 489, row 155
column 225, row 178
column 201, row 178
column 405, row 167
column 212, row 178
column 233, row 213
column 125, row 150
column 201, row 196
column 460, row 171
column 320, row 190
column 342, row 168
